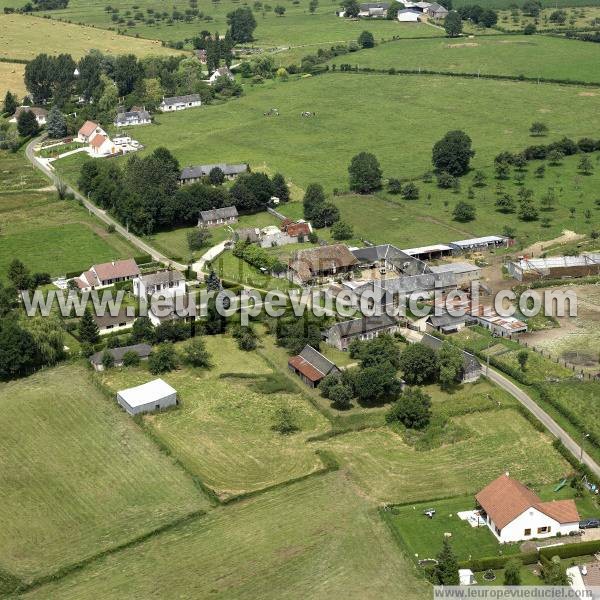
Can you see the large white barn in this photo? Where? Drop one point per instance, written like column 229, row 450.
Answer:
column 151, row 396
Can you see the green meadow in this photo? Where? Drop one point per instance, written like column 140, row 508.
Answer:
column 77, row 476
column 314, row 539
column 515, row 55
column 397, row 117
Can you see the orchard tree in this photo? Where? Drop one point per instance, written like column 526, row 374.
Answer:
column 279, row 10
column 453, row 24
column 453, row 153
column 351, row 8
column 312, row 6
column 162, row 359
column 365, row 173
column 585, row 165
column 479, row 179
column 538, row 129
column 195, row 353
column 523, row 357
column 505, row 204
column 410, row 191
column 342, row 231
column 198, row 238
column 464, row 212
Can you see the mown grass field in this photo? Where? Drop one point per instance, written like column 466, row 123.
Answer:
column 314, row 539
column 222, row 430
column 320, row 148
column 48, row 234
column 296, row 27
column 20, row 31
column 389, row 470
column 77, row 475
column 11, row 79
column 515, row 55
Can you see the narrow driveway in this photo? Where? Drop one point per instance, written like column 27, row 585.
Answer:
column 101, row 214
column 551, row 425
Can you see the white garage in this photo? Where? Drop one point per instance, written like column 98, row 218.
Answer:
column 409, row 16
column 151, row 396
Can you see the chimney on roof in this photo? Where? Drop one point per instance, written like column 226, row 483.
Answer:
column 507, row 474
column 113, row 263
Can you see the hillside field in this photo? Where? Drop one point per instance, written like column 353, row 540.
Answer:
column 412, row 113
column 11, row 79
column 296, row 27
column 19, row 31
column 515, row 55
column 315, row 539
column 222, row 430
column 77, row 476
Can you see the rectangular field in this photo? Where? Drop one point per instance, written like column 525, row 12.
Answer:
column 77, row 476
column 515, row 55
column 314, row 539
column 222, row 430
column 390, row 471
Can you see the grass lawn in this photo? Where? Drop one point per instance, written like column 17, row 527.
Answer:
column 389, row 470
column 222, row 430
column 77, row 476
column 531, row 56
column 18, row 174
column 320, row 148
column 19, row 30
column 423, row 536
column 174, row 242
column 231, row 268
column 314, row 539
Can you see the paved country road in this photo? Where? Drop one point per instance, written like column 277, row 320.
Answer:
column 101, row 214
column 552, row 426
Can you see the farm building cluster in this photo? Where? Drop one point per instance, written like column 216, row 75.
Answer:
column 408, row 12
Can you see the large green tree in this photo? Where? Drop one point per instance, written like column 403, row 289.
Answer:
column 446, row 570
column 419, row 364
column 27, row 124
column 453, row 153
column 365, row 173
column 10, row 103
column 242, row 24
column 88, row 329
column 453, row 24
column 412, row 409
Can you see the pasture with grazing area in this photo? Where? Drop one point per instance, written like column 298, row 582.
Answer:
column 222, row 432
column 512, row 55
column 77, row 475
column 313, row 539
column 320, row 148
column 19, row 31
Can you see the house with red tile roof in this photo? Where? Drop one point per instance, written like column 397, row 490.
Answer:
column 88, row 130
column 106, row 274
column 515, row 513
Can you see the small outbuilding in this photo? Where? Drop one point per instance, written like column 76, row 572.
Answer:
column 151, row 396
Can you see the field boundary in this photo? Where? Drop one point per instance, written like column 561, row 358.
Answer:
column 76, row 566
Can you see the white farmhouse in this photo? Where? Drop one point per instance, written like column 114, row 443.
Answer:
column 151, row 396
column 220, row 72
column 168, row 283
column 41, row 114
column 515, row 513
column 180, row 102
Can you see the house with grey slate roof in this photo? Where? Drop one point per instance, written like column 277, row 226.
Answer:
column 341, row 334
column 194, row 174
column 218, row 216
column 174, row 103
column 168, row 282
column 132, row 117
column 142, row 351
